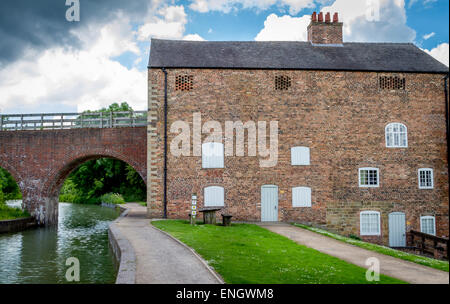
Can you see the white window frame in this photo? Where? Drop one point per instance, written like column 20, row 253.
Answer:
column 432, row 178
column 206, row 193
column 304, row 158
column 306, row 202
column 428, row 217
column 369, row 212
column 369, row 169
column 393, row 134
column 213, row 161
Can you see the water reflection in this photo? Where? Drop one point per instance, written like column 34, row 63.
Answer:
column 39, row 255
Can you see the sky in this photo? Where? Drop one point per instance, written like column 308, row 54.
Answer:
column 51, row 65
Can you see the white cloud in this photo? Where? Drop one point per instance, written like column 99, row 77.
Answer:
column 227, row 6
column 284, row 28
column 80, row 79
column 64, row 79
column 170, row 26
column 440, row 53
column 428, row 36
column 193, row 37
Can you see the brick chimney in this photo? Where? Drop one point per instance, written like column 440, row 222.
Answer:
column 324, row 30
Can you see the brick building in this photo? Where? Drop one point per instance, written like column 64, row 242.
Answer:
column 362, row 141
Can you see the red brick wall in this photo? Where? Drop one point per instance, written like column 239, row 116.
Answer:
column 41, row 160
column 340, row 116
column 325, row 33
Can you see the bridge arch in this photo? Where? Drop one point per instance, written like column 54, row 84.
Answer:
column 40, row 160
column 55, row 179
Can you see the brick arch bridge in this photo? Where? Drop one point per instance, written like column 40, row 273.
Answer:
column 40, row 161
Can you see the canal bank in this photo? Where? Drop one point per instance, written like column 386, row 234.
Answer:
column 150, row 256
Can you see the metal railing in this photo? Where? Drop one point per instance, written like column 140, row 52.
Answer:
column 54, row 121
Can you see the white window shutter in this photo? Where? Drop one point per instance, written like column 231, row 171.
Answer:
column 301, row 197
column 370, row 223
column 300, row 156
column 212, row 155
column 214, row 196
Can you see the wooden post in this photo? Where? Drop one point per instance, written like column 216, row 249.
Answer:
column 21, row 122
column 101, row 120
column 62, row 121
column 111, row 119
column 193, row 209
column 1, row 122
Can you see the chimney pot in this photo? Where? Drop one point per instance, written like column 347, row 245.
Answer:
column 314, row 17
column 335, row 17
column 328, row 18
column 320, row 17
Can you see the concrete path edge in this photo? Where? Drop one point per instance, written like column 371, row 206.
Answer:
column 123, row 252
column 198, row 256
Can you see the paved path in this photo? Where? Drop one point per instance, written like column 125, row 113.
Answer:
column 159, row 258
column 393, row 267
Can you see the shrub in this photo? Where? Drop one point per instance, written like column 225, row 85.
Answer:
column 10, row 213
column 112, row 198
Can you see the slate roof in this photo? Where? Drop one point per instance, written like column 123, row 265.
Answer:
column 295, row 55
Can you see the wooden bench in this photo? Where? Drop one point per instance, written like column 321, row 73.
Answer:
column 209, row 214
column 226, row 219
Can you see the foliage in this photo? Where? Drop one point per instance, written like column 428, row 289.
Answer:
column 9, row 190
column 437, row 264
column 10, row 213
column 112, row 198
column 249, row 254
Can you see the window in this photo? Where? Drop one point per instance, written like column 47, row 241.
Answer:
column 184, row 82
column 369, row 177
column 282, row 83
column 212, row 155
column 396, row 135
column 428, row 225
column 301, row 197
column 425, row 178
column 392, row 83
column 214, row 196
column 369, row 223
column 300, row 156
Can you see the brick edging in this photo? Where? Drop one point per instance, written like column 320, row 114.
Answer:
column 123, row 252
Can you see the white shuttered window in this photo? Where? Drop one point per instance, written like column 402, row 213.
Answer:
column 212, row 155
column 428, row 225
column 301, row 197
column 369, row 223
column 214, row 196
column 300, row 156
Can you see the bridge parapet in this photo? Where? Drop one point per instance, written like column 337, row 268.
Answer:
column 54, row 121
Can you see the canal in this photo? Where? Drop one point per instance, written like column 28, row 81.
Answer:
column 39, row 255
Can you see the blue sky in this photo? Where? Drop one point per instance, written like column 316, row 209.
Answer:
column 50, row 65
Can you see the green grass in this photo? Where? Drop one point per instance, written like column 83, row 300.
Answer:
column 9, row 213
column 249, row 254
column 437, row 264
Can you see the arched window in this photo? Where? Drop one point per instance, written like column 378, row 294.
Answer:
column 300, row 156
column 396, row 135
column 214, row 196
column 301, row 197
column 212, row 155
column 428, row 225
column 369, row 223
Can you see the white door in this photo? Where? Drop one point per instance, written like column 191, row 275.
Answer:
column 397, row 229
column 269, row 203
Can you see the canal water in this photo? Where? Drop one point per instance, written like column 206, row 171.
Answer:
column 39, row 255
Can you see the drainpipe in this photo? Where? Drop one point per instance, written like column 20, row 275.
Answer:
column 447, row 122
column 165, row 142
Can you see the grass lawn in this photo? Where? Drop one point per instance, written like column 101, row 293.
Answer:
column 9, row 213
column 437, row 264
column 249, row 254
